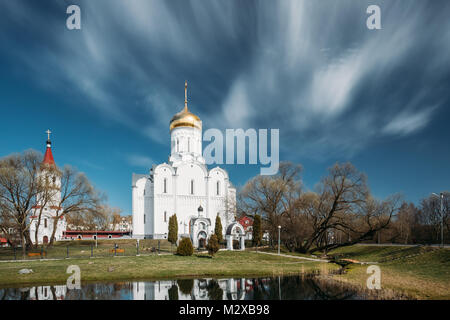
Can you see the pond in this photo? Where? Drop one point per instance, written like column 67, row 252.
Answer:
column 307, row 287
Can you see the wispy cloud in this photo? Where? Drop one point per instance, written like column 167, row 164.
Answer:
column 407, row 123
column 312, row 69
column 137, row 160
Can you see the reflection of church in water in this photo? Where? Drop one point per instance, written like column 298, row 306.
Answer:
column 188, row 289
column 197, row 289
column 184, row 186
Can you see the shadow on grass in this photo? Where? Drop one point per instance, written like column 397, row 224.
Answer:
column 204, row 256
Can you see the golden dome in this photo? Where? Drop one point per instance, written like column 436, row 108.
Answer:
column 185, row 118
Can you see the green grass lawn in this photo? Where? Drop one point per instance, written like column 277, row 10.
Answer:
column 419, row 272
column 153, row 267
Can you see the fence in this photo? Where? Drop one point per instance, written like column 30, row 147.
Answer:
column 75, row 250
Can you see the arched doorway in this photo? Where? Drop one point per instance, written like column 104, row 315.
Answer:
column 235, row 235
column 201, row 240
column 45, row 239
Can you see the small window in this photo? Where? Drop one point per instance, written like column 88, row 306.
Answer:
column 165, row 185
column 192, row 186
column 144, row 192
column 144, row 218
column 218, row 188
column 189, row 144
column 178, row 145
column 45, row 223
column 165, row 216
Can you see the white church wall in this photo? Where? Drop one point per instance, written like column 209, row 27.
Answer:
column 138, row 207
column 191, row 171
column 186, row 140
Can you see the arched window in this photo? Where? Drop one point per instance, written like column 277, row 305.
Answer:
column 178, row 145
column 165, row 185
column 165, row 216
column 218, row 188
column 144, row 218
column 45, row 223
column 189, row 144
column 192, row 186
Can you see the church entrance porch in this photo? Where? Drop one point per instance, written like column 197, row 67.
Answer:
column 200, row 228
column 235, row 231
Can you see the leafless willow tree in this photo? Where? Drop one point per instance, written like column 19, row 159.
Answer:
column 19, row 188
column 26, row 187
column 431, row 214
column 311, row 221
column 102, row 217
column 77, row 196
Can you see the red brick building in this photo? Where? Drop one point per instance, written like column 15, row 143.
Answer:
column 247, row 223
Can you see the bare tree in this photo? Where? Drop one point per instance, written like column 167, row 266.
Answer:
column 310, row 221
column 271, row 196
column 431, row 213
column 405, row 222
column 77, row 196
column 19, row 188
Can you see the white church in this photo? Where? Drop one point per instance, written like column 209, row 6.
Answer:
column 45, row 210
column 184, row 186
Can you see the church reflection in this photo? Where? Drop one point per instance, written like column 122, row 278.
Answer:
column 273, row 288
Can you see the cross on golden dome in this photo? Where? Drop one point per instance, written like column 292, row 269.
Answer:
column 185, row 118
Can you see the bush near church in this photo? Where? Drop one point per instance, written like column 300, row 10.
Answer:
column 213, row 245
column 185, row 247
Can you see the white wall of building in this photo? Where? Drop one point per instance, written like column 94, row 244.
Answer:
column 180, row 187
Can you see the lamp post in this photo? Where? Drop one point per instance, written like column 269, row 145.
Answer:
column 441, row 196
column 279, row 234
column 96, row 236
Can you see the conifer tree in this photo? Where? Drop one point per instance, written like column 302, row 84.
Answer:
column 257, row 230
column 213, row 245
column 173, row 230
column 218, row 229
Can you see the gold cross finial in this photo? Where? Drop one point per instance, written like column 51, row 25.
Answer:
column 48, row 132
column 185, row 96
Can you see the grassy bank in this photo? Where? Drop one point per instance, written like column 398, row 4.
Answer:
column 418, row 272
column 153, row 267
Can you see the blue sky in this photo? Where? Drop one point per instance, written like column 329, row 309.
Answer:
column 336, row 90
